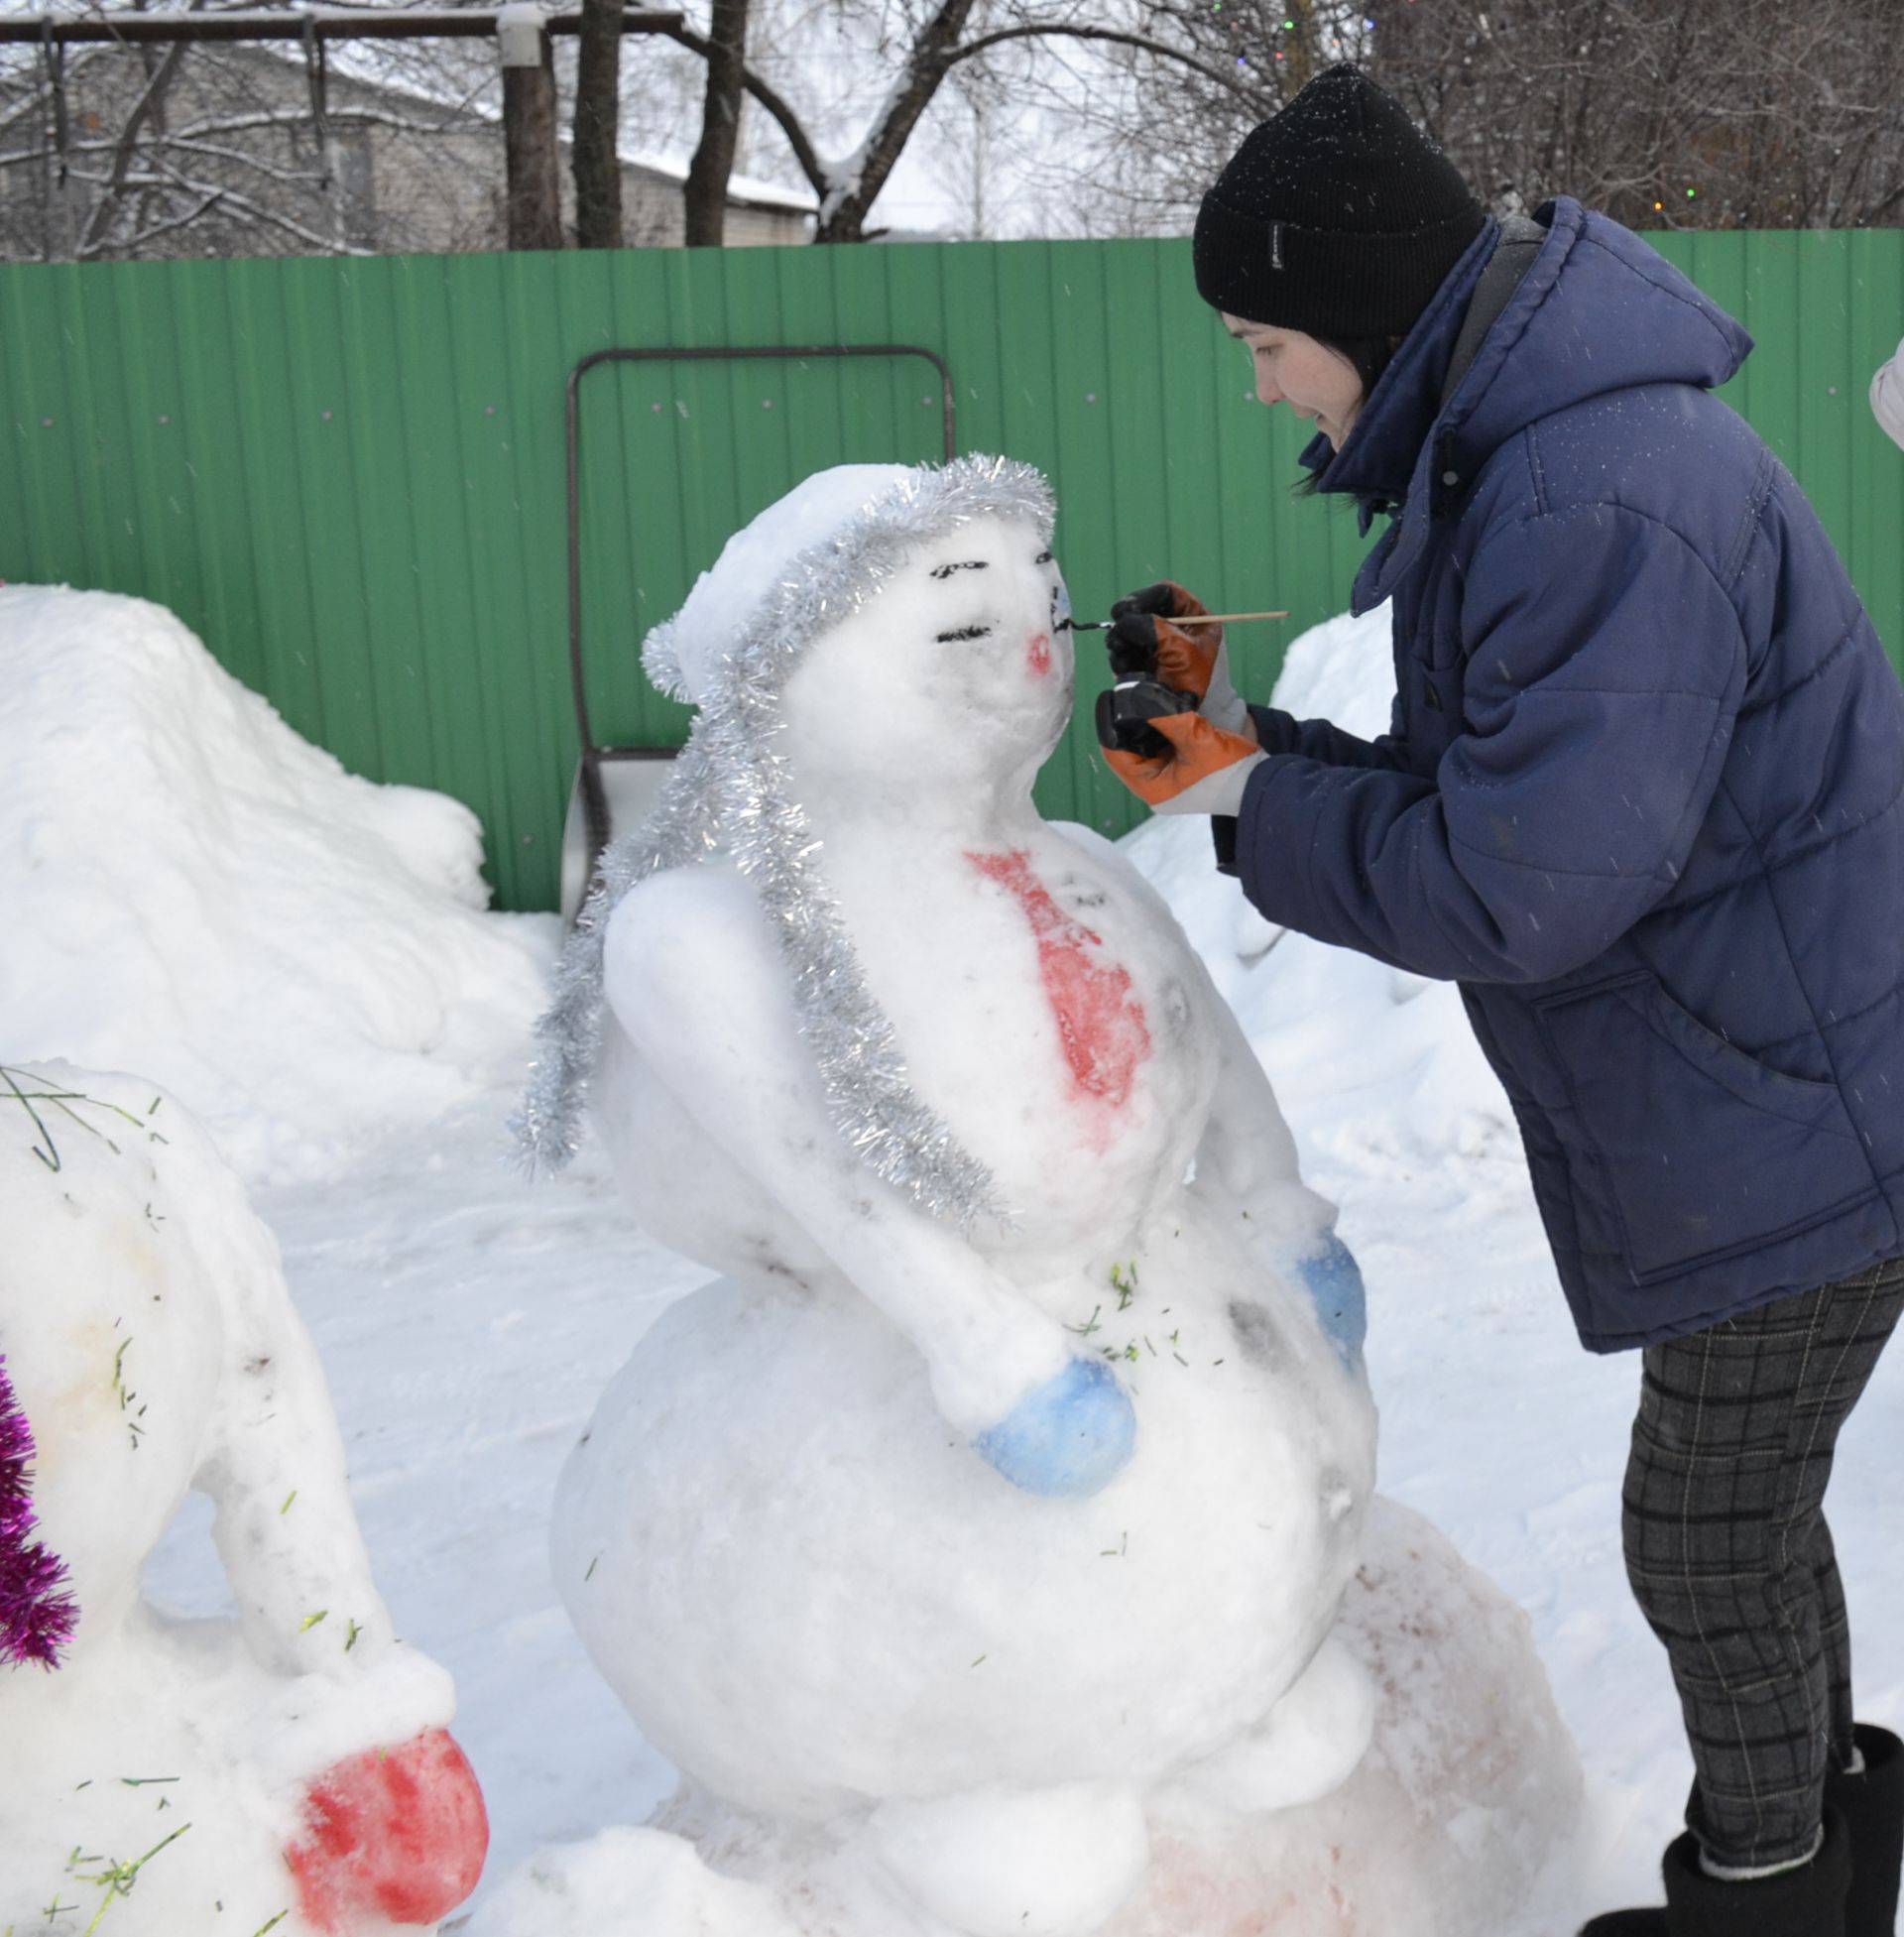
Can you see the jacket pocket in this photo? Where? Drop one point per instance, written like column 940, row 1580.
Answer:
column 1704, row 1151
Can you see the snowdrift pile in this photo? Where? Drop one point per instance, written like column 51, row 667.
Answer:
column 194, row 892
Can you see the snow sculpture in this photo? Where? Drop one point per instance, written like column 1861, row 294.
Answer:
column 925, row 1075
column 286, row 1769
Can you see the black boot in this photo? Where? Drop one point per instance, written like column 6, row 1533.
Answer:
column 1872, row 1805
column 1805, row 1903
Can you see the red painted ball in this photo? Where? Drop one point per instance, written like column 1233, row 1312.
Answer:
column 395, row 1834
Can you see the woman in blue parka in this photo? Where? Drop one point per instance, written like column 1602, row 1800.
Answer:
column 1640, row 798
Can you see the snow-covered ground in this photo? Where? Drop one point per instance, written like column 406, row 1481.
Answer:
column 468, row 1318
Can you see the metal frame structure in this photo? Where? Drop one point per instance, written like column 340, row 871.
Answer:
column 588, row 782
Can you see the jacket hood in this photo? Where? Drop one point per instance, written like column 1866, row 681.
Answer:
column 1599, row 311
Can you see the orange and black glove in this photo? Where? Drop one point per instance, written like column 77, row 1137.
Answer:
column 1142, row 642
column 1161, row 747
column 1172, row 728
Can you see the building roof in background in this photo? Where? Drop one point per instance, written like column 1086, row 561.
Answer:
column 357, row 65
column 748, row 191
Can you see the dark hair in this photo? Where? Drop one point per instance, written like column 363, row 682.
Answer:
column 1368, row 357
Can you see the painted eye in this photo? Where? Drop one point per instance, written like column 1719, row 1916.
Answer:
column 963, row 564
column 965, row 632
column 1043, row 559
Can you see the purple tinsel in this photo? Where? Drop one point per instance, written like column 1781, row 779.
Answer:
column 35, row 1612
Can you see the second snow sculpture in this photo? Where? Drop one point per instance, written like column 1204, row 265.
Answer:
column 288, row 1768
column 925, row 1075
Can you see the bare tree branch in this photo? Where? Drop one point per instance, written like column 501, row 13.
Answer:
column 858, row 181
column 1056, row 31
column 323, row 245
column 127, row 146
column 241, row 158
column 146, row 236
column 786, row 118
column 339, row 117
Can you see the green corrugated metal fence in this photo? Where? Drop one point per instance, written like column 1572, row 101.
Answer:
column 348, row 477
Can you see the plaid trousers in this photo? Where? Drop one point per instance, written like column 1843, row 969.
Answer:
column 1730, row 1559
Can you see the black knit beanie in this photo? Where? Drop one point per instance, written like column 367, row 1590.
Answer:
column 1337, row 218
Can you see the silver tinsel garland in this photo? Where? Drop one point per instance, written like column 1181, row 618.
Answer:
column 729, row 797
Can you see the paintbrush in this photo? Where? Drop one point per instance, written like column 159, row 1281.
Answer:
column 1197, row 619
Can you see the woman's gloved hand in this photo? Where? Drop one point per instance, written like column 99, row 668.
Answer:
column 1190, row 767
column 1193, row 660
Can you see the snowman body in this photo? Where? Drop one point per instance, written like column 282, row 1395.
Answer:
column 778, row 1537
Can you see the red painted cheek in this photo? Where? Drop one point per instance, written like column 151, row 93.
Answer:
column 1101, row 1021
column 394, row 1834
column 1038, row 655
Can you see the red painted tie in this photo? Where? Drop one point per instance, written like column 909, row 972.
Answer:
column 1100, row 1018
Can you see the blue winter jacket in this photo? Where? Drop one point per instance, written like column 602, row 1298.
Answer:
column 1640, row 797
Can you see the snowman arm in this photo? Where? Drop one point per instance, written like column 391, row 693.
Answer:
column 1245, row 1137
column 285, row 1529
column 694, row 975
column 1245, row 1144
column 1247, row 1154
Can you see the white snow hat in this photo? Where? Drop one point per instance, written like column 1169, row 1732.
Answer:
column 816, row 554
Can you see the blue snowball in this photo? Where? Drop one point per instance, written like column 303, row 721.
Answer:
column 1068, row 1437
column 1335, row 1284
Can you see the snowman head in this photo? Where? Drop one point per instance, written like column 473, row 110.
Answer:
column 813, row 561
column 955, row 676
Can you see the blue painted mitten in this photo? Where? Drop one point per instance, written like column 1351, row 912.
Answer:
column 1335, row 1284
column 1068, row 1437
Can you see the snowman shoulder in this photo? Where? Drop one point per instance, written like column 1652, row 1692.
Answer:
column 1110, row 858
column 683, row 913
column 688, row 943
column 1093, row 843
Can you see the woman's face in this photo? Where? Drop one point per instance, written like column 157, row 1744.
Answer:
column 1316, row 382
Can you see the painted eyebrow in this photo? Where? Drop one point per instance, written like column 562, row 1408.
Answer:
column 964, row 564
